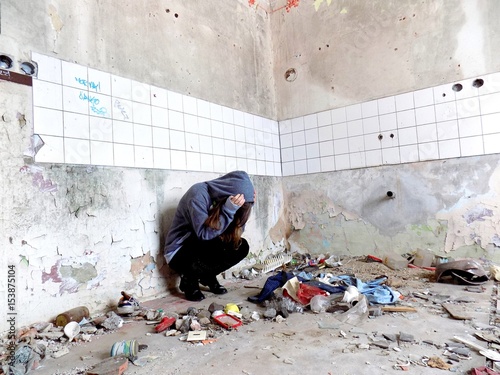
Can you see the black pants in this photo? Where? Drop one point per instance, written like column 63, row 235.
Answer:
column 198, row 259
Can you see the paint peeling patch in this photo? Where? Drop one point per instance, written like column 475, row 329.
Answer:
column 36, row 143
column 496, row 240
column 477, row 214
column 72, row 273
column 141, row 264
column 43, row 185
column 53, row 275
column 57, row 23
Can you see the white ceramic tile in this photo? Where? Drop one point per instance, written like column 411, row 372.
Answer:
column 286, row 140
column 123, row 132
column 174, row 101
column 388, row 122
column 261, row 168
column 449, row 149
column 178, row 160
column 311, row 135
column 425, row 133
column 240, row 149
column 356, row 144
column 406, row 118
column 386, row 105
column 327, row 163
column 298, row 124
column 175, row 120
column 76, row 151
column 219, row 163
column 288, row 169
column 218, row 146
column 161, row 137
column 338, row 115
column 249, row 120
column 324, row 118
column 339, row 130
column 341, row 146
column 48, row 95
column 259, row 137
column 369, row 109
column 193, row 161
column 191, row 123
column 390, row 139
column 444, row 93
column 287, row 154
column 468, row 107
column 404, row 101
column 312, row 150
column 228, row 115
column 371, row 125
column 239, row 117
column 141, row 113
column 471, row 126
column 299, row 152
column 141, row 92
column 206, row 144
column 471, row 146
column 407, row 136
column 159, row 98
column 300, row 167
column 143, row 157
column 229, row 132
column 74, row 75
column 269, row 154
column 122, row 109
column 409, row 154
column 268, row 139
column 258, row 123
column 52, row 151
column 204, row 126
column 275, row 140
column 189, row 105
column 270, row 168
column 491, row 123
column 391, row 155
column 143, row 135
column 299, row 138
column 490, row 103
column 207, row 163
column 99, row 105
column 492, row 143
column 159, row 117
column 203, row 108
column 75, row 100
column 425, row 115
column 230, row 148
column 239, row 134
column 161, row 158
column 325, row 133
column 49, row 68
column 355, row 128
column 313, row 165
column 101, row 129
column 491, row 84
column 101, row 153
column 285, row 127
column 373, row 158
column 446, row 111
column 423, row 98
column 447, row 129
column 428, row 151
column 342, row 162
column 326, row 148
column 241, row 164
column 121, row 87
column 353, row 112
column 274, row 127
column 468, row 90
column 251, row 153
column 250, row 135
column 47, row 121
column 76, row 125
column 177, row 140
column 276, row 155
column 372, row 141
column 231, row 164
column 216, row 112
column 357, row 160
column 311, row 121
column 252, row 167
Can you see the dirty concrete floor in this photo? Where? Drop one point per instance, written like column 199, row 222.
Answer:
column 298, row 345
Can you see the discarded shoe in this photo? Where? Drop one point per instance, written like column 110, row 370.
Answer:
column 191, row 289
column 127, row 304
column 464, row 271
column 214, row 285
column 165, row 323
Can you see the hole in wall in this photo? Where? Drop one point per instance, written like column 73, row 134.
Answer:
column 477, row 83
column 28, row 68
column 390, row 194
column 291, row 75
column 392, row 135
column 380, row 137
column 5, row 62
column 457, row 87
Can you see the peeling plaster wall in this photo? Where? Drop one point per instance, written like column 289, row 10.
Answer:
column 450, row 207
column 81, row 234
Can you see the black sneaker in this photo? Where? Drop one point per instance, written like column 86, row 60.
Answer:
column 191, row 289
column 213, row 285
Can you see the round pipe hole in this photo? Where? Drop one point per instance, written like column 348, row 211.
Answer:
column 457, row 87
column 477, row 83
column 380, row 137
column 290, row 75
column 5, row 62
column 28, row 68
column 390, row 194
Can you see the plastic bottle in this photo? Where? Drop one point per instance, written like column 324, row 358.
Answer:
column 74, row 315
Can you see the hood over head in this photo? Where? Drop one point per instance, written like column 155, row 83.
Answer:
column 233, row 183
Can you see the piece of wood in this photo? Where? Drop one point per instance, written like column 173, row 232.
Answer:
column 111, row 366
column 457, row 311
column 398, row 309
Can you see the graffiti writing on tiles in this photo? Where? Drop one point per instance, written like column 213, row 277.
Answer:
column 89, row 84
column 121, row 108
column 5, row 73
column 94, row 103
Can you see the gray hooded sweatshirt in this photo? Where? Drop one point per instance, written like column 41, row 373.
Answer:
column 193, row 208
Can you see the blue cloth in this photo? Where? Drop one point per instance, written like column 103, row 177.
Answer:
column 375, row 292
column 272, row 283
